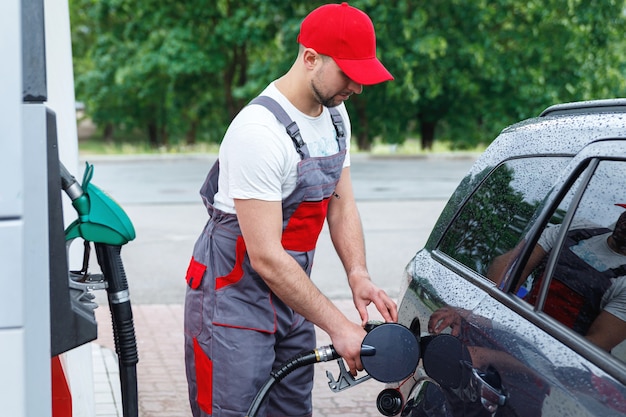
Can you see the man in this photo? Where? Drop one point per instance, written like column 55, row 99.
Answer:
column 250, row 305
column 588, row 288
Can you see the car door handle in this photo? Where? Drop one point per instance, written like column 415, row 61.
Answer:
column 491, row 397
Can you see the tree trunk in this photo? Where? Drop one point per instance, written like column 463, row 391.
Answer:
column 153, row 134
column 362, row 139
column 235, row 74
column 108, row 133
column 427, row 130
column 227, row 78
column 163, row 130
column 164, row 138
column 363, row 142
column 192, row 133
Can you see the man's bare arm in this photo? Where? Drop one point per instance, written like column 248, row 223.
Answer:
column 261, row 227
column 346, row 232
column 502, row 263
column 607, row 331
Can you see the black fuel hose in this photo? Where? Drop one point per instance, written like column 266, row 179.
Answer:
column 112, row 268
column 321, row 354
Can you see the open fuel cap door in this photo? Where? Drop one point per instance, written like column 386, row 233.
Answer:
column 390, row 352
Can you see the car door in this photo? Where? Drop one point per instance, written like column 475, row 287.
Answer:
column 516, row 356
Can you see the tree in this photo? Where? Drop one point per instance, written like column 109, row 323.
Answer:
column 475, row 67
column 171, row 66
column 463, row 70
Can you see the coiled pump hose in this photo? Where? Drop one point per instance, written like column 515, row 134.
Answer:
column 321, row 354
column 112, row 268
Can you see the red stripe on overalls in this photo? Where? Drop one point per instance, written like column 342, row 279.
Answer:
column 300, row 235
column 305, row 226
column 204, row 378
column 237, row 273
column 562, row 303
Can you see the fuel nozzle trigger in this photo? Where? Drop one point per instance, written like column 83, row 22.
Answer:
column 389, row 353
column 345, row 379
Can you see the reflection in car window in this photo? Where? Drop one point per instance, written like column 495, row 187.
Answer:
column 493, row 219
column 587, row 290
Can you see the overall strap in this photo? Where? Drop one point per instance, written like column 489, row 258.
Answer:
column 294, row 131
column 338, row 123
column 619, row 271
column 290, row 126
column 582, row 234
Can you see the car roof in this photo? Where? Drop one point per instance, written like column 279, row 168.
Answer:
column 593, row 106
column 563, row 129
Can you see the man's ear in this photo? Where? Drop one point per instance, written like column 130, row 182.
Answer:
column 310, row 58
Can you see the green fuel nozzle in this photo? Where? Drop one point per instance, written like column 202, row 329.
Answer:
column 100, row 218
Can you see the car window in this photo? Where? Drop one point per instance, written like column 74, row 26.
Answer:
column 493, row 219
column 586, row 278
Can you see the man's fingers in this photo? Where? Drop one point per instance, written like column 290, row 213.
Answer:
column 387, row 309
column 355, row 366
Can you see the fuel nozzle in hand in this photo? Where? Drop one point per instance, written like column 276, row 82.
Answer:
column 389, row 353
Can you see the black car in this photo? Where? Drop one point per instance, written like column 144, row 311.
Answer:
column 518, row 298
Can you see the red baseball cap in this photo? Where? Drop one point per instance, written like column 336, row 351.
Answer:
column 346, row 34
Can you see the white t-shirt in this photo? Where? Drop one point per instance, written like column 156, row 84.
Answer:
column 614, row 299
column 596, row 252
column 258, row 160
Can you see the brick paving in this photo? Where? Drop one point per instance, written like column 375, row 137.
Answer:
column 161, row 377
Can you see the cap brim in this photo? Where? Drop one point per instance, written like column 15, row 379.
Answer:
column 364, row 71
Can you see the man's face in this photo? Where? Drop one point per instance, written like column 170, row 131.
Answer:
column 619, row 233
column 330, row 85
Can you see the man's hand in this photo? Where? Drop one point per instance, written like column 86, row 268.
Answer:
column 443, row 318
column 364, row 292
column 347, row 342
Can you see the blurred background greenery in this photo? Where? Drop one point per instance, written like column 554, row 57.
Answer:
column 168, row 76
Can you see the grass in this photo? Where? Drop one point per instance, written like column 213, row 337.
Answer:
column 134, row 143
column 411, row 147
column 98, row 147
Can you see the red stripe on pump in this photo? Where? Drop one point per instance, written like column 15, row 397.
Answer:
column 305, row 225
column 61, row 394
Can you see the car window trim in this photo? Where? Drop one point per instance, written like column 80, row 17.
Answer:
column 587, row 173
column 475, row 186
column 532, row 236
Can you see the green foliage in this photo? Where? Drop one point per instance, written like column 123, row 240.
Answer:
column 172, row 68
column 463, row 69
column 471, row 68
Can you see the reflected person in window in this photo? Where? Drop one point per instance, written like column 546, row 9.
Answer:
column 588, row 289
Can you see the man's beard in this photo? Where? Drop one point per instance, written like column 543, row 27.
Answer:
column 324, row 101
column 620, row 242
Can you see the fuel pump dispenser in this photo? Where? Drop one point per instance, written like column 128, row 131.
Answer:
column 389, row 353
column 102, row 221
column 52, row 307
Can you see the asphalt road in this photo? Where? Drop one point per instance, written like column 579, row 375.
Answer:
column 399, row 200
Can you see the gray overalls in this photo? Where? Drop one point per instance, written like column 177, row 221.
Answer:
column 576, row 288
column 236, row 329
